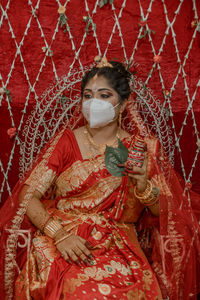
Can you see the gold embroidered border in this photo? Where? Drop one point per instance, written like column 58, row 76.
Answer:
column 77, row 173
column 93, row 196
column 10, row 251
column 43, row 176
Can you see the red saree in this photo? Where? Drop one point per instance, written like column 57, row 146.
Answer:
column 101, row 208
column 86, row 200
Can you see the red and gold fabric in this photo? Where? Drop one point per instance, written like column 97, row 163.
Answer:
column 86, row 200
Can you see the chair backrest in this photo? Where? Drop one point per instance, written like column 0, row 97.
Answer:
column 60, row 100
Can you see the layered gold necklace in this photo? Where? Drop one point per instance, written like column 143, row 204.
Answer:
column 101, row 147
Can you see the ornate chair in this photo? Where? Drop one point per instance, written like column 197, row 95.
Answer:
column 57, row 105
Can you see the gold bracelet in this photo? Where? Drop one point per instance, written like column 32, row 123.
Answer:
column 45, row 222
column 153, row 198
column 152, row 202
column 144, row 196
column 52, row 227
column 63, row 238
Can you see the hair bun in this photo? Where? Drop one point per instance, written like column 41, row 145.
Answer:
column 121, row 68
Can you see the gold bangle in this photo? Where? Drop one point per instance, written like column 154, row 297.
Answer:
column 153, row 198
column 52, row 227
column 45, row 222
column 62, row 239
column 144, row 196
column 152, row 203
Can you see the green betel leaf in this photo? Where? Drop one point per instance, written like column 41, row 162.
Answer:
column 122, row 147
column 115, row 156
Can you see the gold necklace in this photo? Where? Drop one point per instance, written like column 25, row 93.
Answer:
column 101, row 147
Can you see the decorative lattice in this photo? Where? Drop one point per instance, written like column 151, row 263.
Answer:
column 40, row 45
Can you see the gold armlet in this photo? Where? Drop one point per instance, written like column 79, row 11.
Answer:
column 52, row 227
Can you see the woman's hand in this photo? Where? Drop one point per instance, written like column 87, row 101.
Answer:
column 138, row 175
column 75, row 248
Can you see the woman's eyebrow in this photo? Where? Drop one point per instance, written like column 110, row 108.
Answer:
column 101, row 89
column 89, row 90
column 104, row 89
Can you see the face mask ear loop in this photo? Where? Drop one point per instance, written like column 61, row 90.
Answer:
column 116, row 105
column 120, row 115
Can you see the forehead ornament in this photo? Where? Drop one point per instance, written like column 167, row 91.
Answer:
column 104, row 63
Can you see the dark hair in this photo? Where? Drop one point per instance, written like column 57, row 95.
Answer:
column 118, row 78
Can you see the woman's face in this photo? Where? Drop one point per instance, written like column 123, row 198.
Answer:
column 98, row 87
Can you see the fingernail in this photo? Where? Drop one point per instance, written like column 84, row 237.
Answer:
column 77, row 263
column 86, row 262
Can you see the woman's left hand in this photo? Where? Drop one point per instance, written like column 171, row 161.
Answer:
column 137, row 174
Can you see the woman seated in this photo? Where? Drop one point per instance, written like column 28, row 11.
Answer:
column 84, row 244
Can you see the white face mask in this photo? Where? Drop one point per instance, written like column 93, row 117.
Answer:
column 98, row 113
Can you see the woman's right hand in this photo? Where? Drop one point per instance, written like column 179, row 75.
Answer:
column 75, row 248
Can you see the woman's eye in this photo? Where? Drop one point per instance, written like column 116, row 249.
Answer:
column 87, row 96
column 105, row 96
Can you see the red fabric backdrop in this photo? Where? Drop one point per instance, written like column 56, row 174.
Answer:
column 26, row 69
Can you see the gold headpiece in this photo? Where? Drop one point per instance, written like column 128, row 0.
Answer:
column 103, row 62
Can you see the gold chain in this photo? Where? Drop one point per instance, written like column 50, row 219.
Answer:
column 101, row 147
